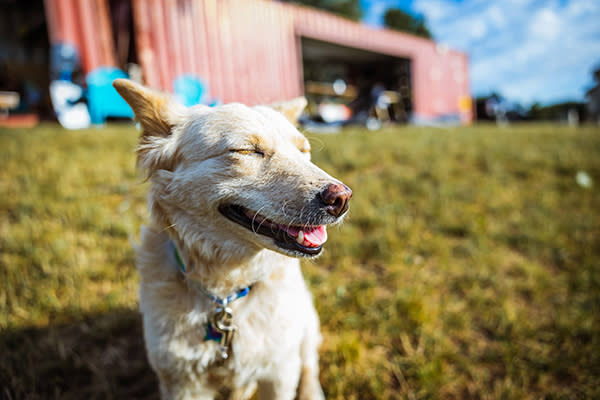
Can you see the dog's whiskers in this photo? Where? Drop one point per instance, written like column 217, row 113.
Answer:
column 306, row 224
column 292, row 222
column 254, row 219
column 283, row 208
column 293, row 219
column 167, row 228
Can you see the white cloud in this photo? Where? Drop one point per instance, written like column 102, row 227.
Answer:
column 545, row 25
column 541, row 50
column 496, row 17
column 435, row 10
column 478, row 29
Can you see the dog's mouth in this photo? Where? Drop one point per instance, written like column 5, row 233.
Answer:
column 306, row 240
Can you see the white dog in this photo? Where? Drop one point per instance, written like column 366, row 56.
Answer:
column 235, row 201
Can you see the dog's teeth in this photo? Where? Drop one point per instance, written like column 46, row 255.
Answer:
column 300, row 238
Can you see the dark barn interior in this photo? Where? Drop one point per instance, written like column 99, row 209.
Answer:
column 24, row 54
column 366, row 76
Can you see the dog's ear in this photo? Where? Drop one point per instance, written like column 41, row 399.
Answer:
column 153, row 110
column 157, row 113
column 291, row 109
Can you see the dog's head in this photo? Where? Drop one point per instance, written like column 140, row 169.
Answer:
column 234, row 179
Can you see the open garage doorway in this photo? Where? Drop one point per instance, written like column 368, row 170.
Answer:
column 350, row 85
column 24, row 63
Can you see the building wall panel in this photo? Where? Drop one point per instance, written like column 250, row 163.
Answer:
column 249, row 50
column 85, row 24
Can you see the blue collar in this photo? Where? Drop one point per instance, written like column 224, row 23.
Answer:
column 212, row 333
column 223, row 302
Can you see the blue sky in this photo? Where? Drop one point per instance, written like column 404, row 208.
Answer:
column 527, row 50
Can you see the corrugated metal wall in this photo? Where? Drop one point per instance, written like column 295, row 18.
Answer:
column 249, row 50
column 85, row 24
column 244, row 49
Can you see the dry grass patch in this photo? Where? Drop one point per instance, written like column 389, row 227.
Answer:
column 468, row 267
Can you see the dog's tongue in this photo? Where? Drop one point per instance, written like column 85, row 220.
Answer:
column 310, row 237
column 315, row 236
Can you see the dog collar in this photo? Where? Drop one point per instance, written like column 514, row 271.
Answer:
column 219, row 327
column 221, row 301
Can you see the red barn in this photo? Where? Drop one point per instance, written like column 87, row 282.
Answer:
column 257, row 51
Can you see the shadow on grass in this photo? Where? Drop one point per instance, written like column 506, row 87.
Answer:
column 96, row 357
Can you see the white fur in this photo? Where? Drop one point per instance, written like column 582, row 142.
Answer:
column 189, row 157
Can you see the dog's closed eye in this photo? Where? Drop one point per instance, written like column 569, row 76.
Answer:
column 252, row 151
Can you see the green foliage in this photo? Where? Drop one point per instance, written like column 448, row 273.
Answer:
column 346, row 8
column 399, row 20
column 467, row 268
column 555, row 112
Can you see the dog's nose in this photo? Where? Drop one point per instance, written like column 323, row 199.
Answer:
column 336, row 197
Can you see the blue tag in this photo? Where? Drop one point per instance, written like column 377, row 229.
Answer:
column 212, row 333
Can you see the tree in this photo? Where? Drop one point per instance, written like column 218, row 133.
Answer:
column 399, row 20
column 556, row 112
column 346, row 8
column 592, row 97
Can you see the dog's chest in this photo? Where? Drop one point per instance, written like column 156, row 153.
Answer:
column 270, row 324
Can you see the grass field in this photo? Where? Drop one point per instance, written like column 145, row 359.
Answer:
column 468, row 268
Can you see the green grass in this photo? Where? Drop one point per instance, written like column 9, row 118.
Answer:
column 468, row 268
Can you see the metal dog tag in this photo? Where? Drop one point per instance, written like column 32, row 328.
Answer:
column 222, row 322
